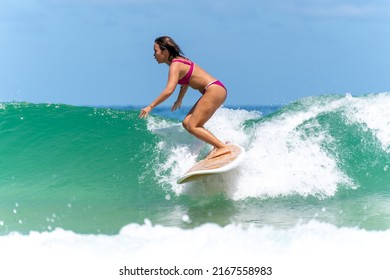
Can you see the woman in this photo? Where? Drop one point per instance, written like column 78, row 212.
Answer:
column 188, row 74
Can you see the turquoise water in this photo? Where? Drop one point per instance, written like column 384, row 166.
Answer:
column 96, row 170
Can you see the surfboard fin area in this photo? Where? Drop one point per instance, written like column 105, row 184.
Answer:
column 216, row 165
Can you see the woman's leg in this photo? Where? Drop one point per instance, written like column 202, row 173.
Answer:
column 201, row 112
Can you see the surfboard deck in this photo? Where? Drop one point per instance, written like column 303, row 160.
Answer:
column 216, row 165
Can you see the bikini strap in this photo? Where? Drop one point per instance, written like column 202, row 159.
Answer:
column 188, row 62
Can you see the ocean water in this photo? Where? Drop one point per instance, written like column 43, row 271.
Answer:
column 90, row 192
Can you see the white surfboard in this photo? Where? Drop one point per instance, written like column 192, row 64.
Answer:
column 216, row 165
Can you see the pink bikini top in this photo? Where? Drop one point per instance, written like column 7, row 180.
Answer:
column 186, row 79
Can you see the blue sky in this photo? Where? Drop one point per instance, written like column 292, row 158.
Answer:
column 100, row 52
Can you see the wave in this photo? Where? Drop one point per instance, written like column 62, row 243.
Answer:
column 317, row 146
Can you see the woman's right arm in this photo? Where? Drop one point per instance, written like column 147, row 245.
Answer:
column 173, row 77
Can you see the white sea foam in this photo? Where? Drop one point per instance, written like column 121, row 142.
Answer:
column 307, row 251
column 372, row 111
column 184, row 149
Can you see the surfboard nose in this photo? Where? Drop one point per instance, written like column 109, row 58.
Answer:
column 214, row 165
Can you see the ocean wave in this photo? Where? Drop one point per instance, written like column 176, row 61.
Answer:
column 317, row 146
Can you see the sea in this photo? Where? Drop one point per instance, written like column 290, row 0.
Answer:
column 91, row 193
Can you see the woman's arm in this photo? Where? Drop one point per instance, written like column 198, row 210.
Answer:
column 177, row 104
column 173, row 77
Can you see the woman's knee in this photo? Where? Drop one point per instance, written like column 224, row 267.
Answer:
column 185, row 124
column 189, row 126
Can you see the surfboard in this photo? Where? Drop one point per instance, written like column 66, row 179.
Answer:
column 216, row 165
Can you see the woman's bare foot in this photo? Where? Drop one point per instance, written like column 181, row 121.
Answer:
column 218, row 152
column 211, row 153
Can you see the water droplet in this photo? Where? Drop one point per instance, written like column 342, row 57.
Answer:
column 148, row 222
column 186, row 218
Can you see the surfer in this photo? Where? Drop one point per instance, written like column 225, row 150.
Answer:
column 186, row 73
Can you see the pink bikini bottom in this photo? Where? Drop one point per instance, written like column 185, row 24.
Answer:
column 214, row 83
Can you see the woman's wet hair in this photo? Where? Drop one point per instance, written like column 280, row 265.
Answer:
column 167, row 43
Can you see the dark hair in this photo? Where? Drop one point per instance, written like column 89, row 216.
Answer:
column 167, row 43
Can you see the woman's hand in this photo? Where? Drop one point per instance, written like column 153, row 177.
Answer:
column 176, row 105
column 145, row 111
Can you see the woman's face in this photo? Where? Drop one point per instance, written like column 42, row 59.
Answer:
column 159, row 55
